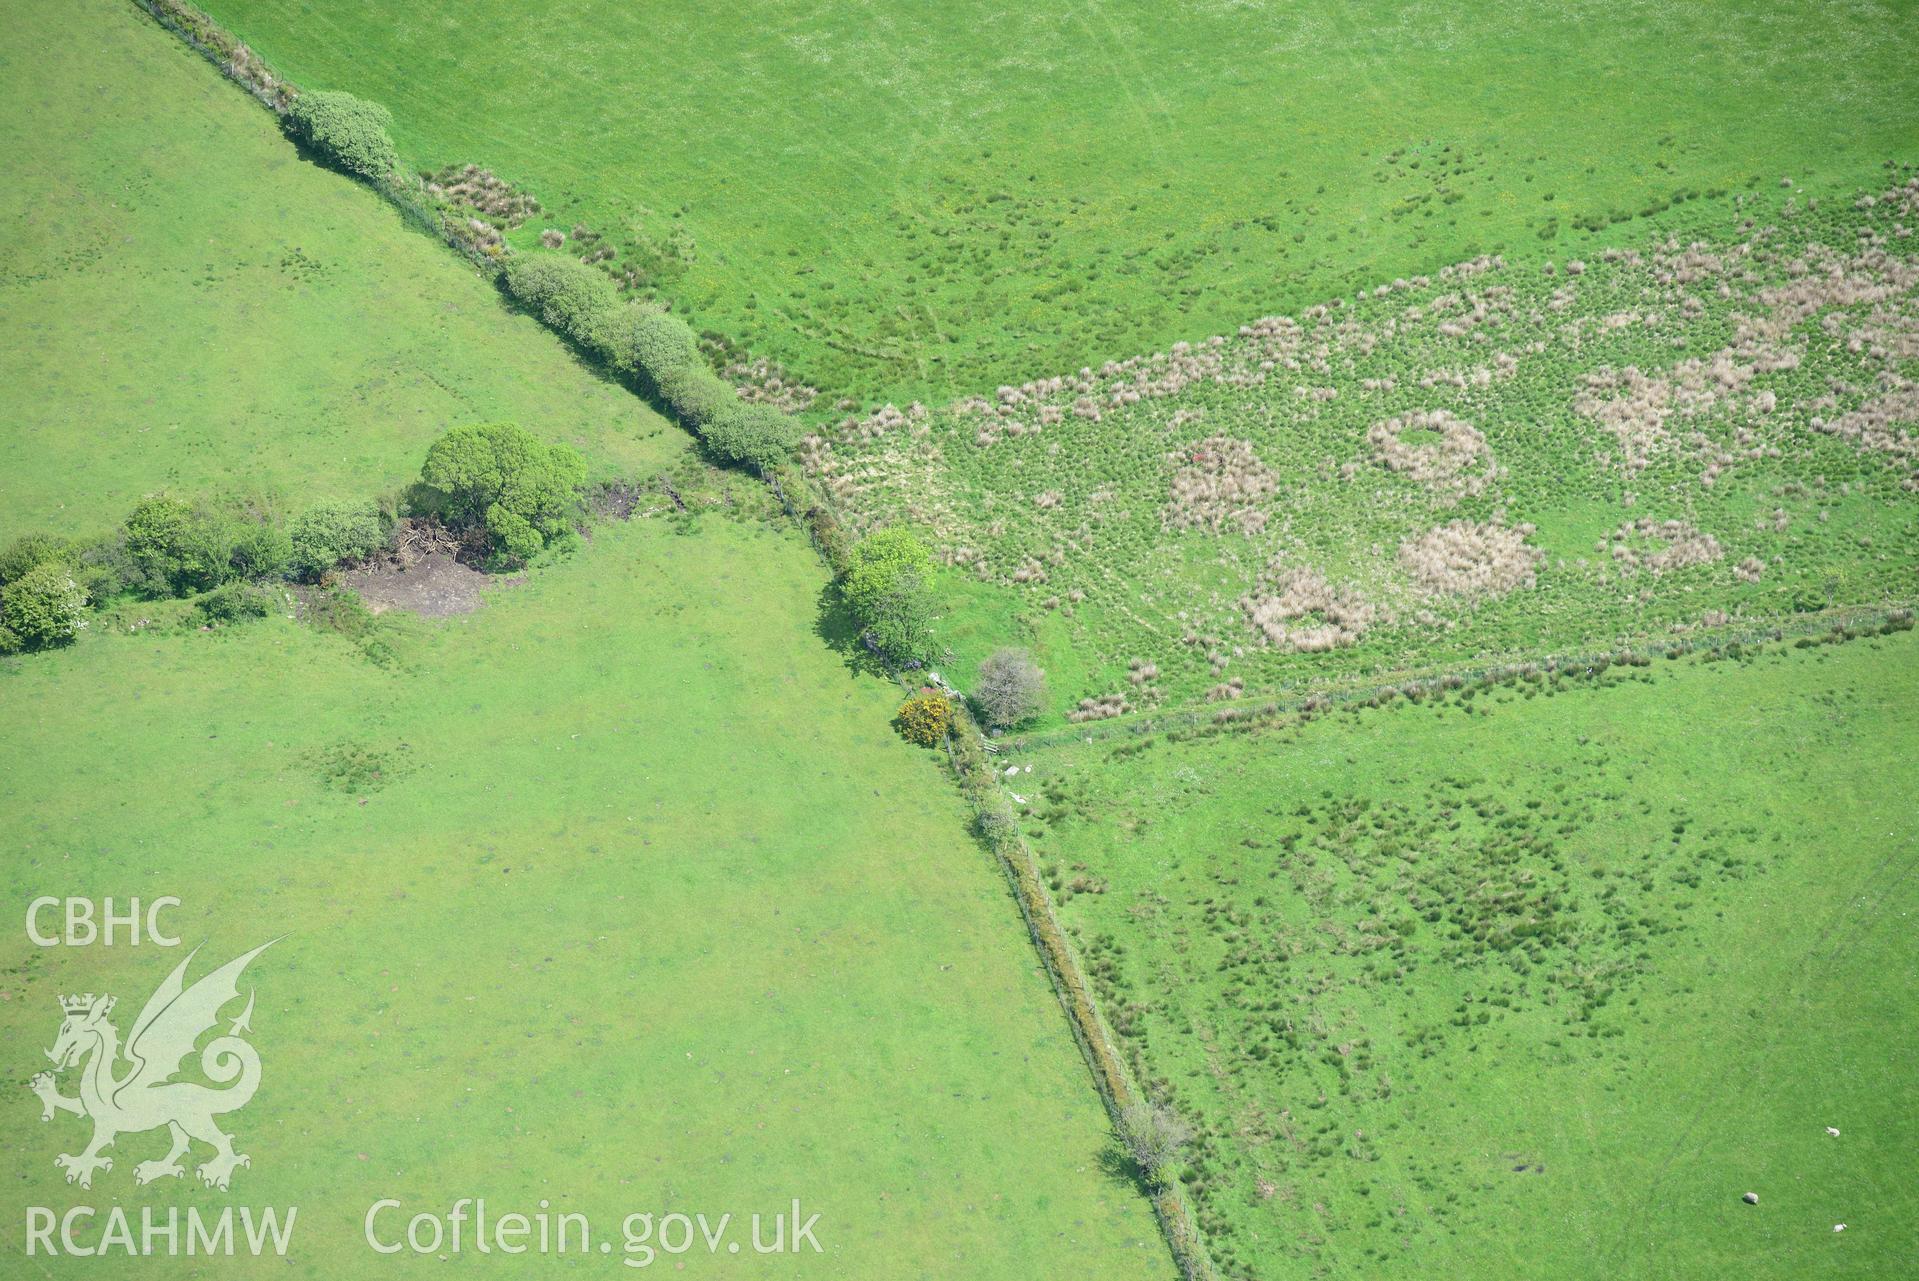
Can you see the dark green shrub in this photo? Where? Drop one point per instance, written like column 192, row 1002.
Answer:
column 176, row 548
column 333, row 534
column 566, row 294
column 514, row 539
column 885, row 586
column 347, row 131
column 261, row 551
column 696, row 393
column 234, row 603
column 899, row 623
column 758, row 436
column 104, row 567
column 878, row 562
column 29, row 552
column 43, row 607
column 653, row 344
column 499, row 476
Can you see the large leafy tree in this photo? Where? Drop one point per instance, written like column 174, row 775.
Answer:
column 522, row 490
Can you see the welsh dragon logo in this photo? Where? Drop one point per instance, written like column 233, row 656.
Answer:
column 125, row 1090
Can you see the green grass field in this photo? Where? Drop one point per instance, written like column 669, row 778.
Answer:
column 193, row 307
column 910, row 201
column 621, row 893
column 1537, row 984
column 644, row 914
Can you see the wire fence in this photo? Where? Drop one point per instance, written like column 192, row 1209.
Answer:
column 1419, row 682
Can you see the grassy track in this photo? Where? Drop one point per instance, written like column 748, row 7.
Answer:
column 905, row 200
column 1535, row 985
column 191, row 306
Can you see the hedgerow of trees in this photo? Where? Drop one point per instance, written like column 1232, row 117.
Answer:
column 658, row 350
column 521, row 493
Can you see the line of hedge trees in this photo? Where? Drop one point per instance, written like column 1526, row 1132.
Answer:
column 656, row 349
column 579, row 301
column 514, row 495
column 884, row 579
column 170, row 547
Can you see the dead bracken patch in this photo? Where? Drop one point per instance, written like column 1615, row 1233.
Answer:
column 1661, row 546
column 1882, row 424
column 478, row 189
column 1296, row 609
column 1220, row 482
column 1435, row 448
column 1105, row 707
column 1468, row 558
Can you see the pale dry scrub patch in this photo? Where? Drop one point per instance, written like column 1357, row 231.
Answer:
column 1220, row 482
column 1476, row 560
column 1661, row 546
column 1294, row 608
column 1457, row 460
column 1636, row 408
column 1883, row 424
column 1105, row 707
column 480, row 189
column 764, row 382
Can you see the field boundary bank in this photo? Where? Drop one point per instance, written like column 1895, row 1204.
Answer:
column 1419, row 683
column 1111, row 1077
column 817, row 515
column 996, row 827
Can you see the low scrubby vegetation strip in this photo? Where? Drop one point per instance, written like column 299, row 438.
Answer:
column 569, row 295
column 513, row 494
column 1423, row 684
column 1503, row 459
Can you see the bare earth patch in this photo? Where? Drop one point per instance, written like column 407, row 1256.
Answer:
column 436, row 586
column 423, row 575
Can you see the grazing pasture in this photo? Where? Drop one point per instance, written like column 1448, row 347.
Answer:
column 908, row 201
column 1710, row 423
column 595, row 896
column 1537, row 982
column 619, row 896
column 191, row 306
column 1542, row 329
